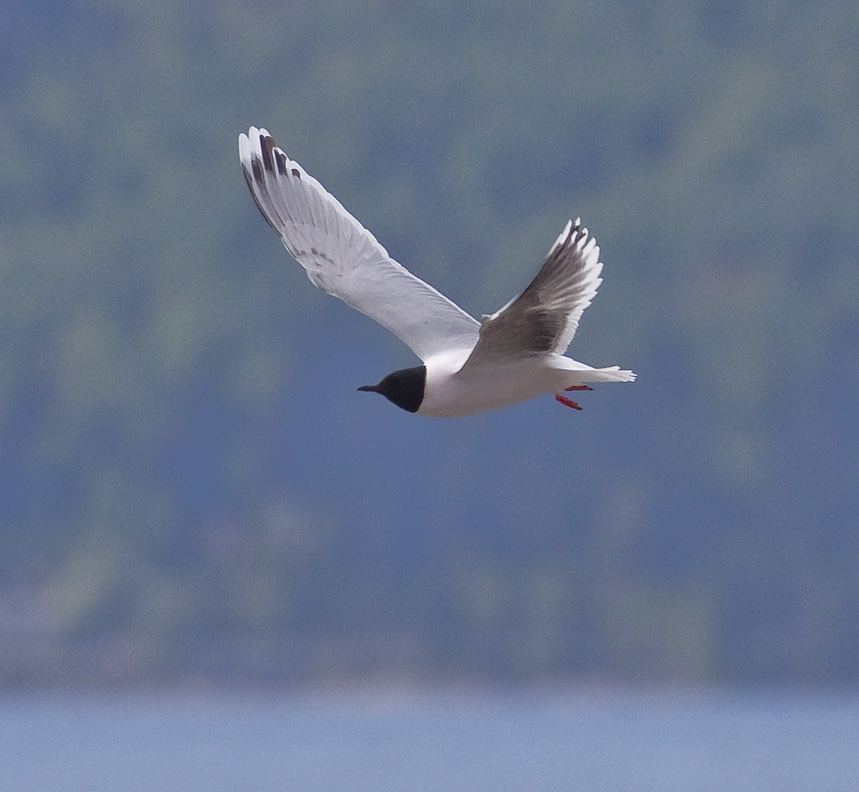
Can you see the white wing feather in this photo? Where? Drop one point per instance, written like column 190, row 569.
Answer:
column 343, row 258
column 543, row 318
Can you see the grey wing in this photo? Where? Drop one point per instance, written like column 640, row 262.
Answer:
column 544, row 317
column 343, row 258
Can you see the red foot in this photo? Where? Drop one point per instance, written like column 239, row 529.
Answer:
column 578, row 387
column 568, row 402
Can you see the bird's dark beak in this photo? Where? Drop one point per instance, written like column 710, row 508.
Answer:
column 370, row 388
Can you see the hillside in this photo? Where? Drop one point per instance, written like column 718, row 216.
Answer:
column 190, row 488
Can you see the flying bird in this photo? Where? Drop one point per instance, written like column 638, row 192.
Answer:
column 468, row 367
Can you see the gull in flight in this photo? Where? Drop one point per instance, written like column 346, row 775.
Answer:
column 468, row 367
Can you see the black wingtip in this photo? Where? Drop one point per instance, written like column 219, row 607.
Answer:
column 267, row 144
column 256, row 165
column 577, row 233
column 258, row 177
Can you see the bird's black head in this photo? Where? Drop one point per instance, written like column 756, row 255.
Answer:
column 405, row 387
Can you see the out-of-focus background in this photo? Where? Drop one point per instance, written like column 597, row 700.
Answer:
column 193, row 494
column 191, row 486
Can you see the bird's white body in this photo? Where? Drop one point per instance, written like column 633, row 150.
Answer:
column 452, row 391
column 468, row 366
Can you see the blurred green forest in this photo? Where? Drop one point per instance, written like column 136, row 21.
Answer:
column 191, row 489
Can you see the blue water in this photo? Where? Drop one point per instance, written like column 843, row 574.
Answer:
column 582, row 740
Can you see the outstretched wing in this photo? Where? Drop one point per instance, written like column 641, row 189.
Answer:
column 343, row 258
column 544, row 317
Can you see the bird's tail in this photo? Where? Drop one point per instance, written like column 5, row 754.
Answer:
column 608, row 374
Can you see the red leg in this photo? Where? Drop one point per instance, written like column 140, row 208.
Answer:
column 578, row 387
column 567, row 402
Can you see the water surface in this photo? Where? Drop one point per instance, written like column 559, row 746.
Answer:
column 388, row 742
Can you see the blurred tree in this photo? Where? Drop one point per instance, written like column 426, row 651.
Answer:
column 185, row 489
